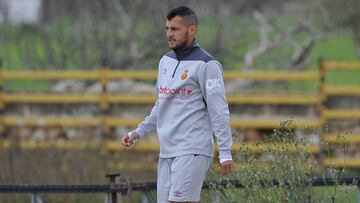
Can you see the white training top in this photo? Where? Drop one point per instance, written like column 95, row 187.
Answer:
column 191, row 105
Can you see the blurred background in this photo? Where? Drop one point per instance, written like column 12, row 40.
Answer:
column 76, row 75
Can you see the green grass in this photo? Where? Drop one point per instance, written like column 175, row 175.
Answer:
column 28, row 85
column 341, row 47
column 337, row 46
column 343, row 78
column 343, row 193
column 319, row 194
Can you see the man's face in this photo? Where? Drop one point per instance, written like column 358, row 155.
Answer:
column 179, row 32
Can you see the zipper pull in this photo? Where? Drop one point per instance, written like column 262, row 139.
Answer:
column 175, row 69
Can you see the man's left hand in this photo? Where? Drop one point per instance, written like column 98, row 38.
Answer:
column 226, row 167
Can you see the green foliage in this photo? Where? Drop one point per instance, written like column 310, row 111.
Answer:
column 68, row 44
column 207, row 31
column 289, row 160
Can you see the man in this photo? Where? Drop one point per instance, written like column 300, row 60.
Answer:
column 190, row 108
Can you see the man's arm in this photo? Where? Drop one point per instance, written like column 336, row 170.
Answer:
column 150, row 122
column 212, row 86
column 144, row 128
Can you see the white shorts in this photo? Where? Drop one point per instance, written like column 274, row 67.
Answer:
column 181, row 178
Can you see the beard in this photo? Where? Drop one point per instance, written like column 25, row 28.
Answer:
column 180, row 46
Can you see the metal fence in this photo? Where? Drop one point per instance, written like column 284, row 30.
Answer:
column 124, row 187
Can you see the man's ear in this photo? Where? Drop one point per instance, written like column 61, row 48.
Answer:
column 192, row 30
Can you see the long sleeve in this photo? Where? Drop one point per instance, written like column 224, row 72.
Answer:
column 150, row 122
column 211, row 82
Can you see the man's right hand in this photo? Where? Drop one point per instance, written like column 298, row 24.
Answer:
column 129, row 139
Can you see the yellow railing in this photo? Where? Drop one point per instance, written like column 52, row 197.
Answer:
column 110, row 122
column 126, row 98
column 333, row 90
column 143, row 146
column 105, row 75
column 105, row 99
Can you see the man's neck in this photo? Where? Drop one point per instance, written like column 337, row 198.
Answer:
column 180, row 53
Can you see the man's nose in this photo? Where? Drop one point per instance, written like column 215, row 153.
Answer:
column 169, row 33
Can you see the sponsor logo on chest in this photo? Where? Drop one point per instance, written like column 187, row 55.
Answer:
column 163, row 90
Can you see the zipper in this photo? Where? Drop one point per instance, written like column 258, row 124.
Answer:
column 175, row 69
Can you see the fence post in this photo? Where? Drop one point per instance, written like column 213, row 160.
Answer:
column 321, row 108
column 358, row 192
column 35, row 198
column 112, row 197
column 104, row 105
column 148, row 196
column 2, row 104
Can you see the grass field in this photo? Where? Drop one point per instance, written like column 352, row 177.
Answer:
column 343, row 193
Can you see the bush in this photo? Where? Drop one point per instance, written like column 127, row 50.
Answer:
column 289, row 161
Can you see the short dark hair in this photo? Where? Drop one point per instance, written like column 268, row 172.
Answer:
column 185, row 12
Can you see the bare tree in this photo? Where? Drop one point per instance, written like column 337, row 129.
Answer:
column 265, row 43
column 281, row 36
